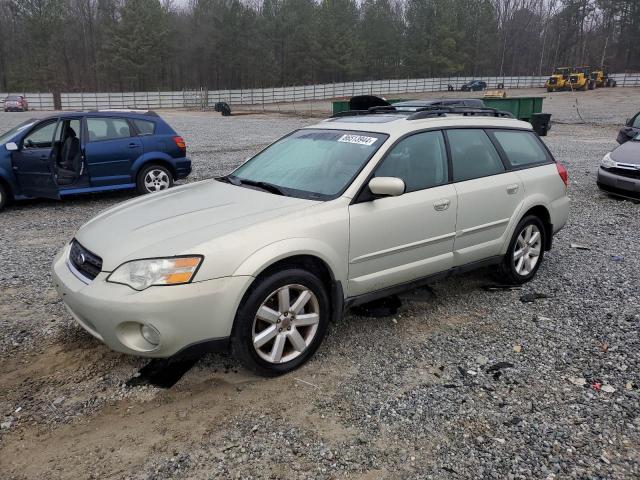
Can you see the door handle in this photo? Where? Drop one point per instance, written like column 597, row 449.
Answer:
column 133, row 145
column 513, row 189
column 441, row 205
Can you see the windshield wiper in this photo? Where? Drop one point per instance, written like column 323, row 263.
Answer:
column 269, row 187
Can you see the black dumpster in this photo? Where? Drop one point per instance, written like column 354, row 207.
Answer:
column 541, row 123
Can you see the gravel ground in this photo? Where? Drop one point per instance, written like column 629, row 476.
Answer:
column 460, row 383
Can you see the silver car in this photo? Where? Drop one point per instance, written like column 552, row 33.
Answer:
column 619, row 172
column 337, row 214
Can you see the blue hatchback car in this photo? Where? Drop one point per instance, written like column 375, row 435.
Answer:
column 84, row 152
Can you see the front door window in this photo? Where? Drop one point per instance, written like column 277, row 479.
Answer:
column 41, row 136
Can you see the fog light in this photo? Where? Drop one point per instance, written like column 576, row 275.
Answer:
column 150, row 334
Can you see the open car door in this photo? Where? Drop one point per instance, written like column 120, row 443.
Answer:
column 32, row 162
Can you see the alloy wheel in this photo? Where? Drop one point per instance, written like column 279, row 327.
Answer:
column 528, row 248
column 156, row 180
column 285, row 324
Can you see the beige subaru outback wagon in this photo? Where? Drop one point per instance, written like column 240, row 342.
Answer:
column 352, row 209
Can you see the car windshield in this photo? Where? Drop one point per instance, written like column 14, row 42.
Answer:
column 12, row 98
column 5, row 137
column 310, row 163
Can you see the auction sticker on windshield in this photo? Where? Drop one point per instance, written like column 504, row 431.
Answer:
column 358, row 139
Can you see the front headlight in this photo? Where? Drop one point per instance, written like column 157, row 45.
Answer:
column 608, row 162
column 142, row 274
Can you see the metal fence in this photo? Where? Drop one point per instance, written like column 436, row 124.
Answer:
column 203, row 98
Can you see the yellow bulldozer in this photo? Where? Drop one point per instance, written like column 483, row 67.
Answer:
column 579, row 78
column 600, row 78
column 558, row 79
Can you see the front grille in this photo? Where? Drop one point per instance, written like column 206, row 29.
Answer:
column 624, row 172
column 87, row 263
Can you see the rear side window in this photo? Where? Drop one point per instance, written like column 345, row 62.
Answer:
column 419, row 160
column 472, row 154
column 107, row 129
column 522, row 148
column 145, row 127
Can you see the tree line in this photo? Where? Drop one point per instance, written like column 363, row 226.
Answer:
column 123, row 45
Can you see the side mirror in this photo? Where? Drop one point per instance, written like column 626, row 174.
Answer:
column 628, row 122
column 11, row 146
column 386, row 186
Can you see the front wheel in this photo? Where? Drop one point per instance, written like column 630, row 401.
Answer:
column 281, row 322
column 154, row 178
column 525, row 252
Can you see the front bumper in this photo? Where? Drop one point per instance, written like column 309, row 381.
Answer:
column 183, row 315
column 622, row 185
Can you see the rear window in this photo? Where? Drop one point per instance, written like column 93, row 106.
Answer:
column 522, row 148
column 107, row 129
column 145, row 127
column 472, row 154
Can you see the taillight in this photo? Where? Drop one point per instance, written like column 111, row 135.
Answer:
column 180, row 143
column 564, row 174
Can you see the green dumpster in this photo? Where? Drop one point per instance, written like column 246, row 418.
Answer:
column 343, row 105
column 522, row 108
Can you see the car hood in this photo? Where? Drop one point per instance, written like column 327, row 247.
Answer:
column 179, row 220
column 628, row 152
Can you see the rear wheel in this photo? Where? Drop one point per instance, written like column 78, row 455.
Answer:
column 154, row 178
column 281, row 322
column 525, row 252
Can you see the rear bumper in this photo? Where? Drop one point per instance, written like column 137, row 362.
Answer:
column 183, row 168
column 559, row 212
column 618, row 184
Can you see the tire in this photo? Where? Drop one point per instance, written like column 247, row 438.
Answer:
column 154, row 178
column 4, row 196
column 509, row 271
column 277, row 354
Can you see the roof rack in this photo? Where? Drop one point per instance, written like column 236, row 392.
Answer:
column 428, row 111
column 125, row 110
column 438, row 111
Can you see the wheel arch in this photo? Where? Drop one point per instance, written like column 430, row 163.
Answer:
column 277, row 257
column 8, row 188
column 145, row 161
column 544, row 215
